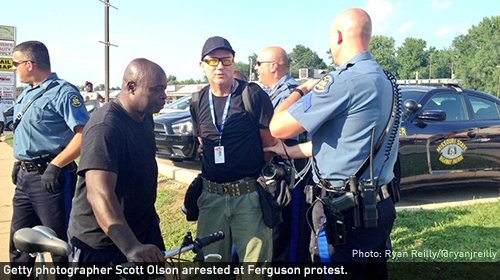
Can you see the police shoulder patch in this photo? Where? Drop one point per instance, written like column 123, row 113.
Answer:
column 324, row 84
column 75, row 101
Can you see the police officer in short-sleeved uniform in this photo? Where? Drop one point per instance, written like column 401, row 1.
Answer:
column 339, row 113
column 46, row 142
column 291, row 237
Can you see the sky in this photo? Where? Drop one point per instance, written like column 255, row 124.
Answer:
column 172, row 33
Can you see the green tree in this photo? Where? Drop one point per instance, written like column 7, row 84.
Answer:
column 172, row 80
column 412, row 58
column 99, row 87
column 383, row 52
column 303, row 57
column 478, row 54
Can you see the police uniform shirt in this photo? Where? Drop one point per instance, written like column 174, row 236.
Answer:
column 340, row 113
column 282, row 89
column 48, row 125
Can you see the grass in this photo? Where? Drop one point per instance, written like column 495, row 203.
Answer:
column 173, row 222
column 462, row 232
column 9, row 139
column 455, row 234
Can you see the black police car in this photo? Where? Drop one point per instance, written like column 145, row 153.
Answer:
column 9, row 122
column 448, row 134
column 174, row 136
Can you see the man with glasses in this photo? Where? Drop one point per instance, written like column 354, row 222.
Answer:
column 49, row 120
column 232, row 140
column 341, row 112
column 291, row 237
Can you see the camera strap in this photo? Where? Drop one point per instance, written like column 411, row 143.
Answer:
column 394, row 119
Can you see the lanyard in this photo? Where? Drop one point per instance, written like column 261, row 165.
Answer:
column 224, row 114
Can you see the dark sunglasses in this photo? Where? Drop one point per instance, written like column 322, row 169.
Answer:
column 260, row 62
column 17, row 63
column 214, row 61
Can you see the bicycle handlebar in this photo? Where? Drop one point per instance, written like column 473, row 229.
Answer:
column 207, row 240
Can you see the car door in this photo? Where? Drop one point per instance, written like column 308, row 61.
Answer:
column 487, row 117
column 447, row 149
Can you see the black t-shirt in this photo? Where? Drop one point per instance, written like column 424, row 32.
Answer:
column 241, row 139
column 114, row 142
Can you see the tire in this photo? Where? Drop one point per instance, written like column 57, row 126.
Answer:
column 10, row 126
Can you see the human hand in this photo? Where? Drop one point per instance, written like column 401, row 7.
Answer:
column 308, row 85
column 145, row 253
column 15, row 170
column 200, row 149
column 277, row 149
column 49, row 179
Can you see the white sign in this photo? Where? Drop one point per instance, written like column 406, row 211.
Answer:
column 7, row 92
column 7, row 78
column 6, row 48
column 7, row 33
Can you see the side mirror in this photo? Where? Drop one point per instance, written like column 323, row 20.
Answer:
column 411, row 105
column 433, row 115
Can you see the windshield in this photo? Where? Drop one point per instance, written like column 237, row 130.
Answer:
column 179, row 104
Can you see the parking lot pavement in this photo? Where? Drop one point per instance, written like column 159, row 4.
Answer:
column 435, row 198
column 418, row 199
column 6, row 195
column 184, row 172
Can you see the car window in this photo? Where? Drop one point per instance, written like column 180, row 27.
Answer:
column 451, row 103
column 180, row 104
column 484, row 109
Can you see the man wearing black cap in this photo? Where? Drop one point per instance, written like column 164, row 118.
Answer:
column 232, row 138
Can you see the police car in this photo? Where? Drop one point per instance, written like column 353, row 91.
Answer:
column 449, row 135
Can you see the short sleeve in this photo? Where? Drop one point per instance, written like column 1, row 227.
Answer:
column 71, row 106
column 326, row 101
column 261, row 106
column 101, row 147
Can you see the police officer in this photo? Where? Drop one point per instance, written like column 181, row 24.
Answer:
column 50, row 116
column 340, row 112
column 291, row 237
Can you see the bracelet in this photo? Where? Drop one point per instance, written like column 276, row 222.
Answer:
column 299, row 91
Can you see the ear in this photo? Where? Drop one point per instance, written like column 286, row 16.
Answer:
column 339, row 37
column 131, row 86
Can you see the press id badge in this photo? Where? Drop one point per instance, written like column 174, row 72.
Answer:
column 219, row 154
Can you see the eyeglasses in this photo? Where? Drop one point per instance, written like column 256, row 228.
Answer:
column 214, row 61
column 260, row 62
column 17, row 63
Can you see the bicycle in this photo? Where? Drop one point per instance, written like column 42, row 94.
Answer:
column 40, row 240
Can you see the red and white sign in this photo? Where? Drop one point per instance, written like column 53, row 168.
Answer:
column 7, row 92
column 7, row 78
column 6, row 48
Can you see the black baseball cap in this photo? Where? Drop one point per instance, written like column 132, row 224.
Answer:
column 215, row 43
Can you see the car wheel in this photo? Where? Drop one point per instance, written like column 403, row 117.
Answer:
column 10, row 126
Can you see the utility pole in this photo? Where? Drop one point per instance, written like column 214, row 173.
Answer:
column 430, row 66
column 498, row 90
column 250, row 74
column 106, row 48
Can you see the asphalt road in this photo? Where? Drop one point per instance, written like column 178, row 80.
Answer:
column 416, row 199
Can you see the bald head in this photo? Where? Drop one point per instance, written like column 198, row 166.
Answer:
column 140, row 69
column 274, row 64
column 276, row 54
column 350, row 34
column 143, row 88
